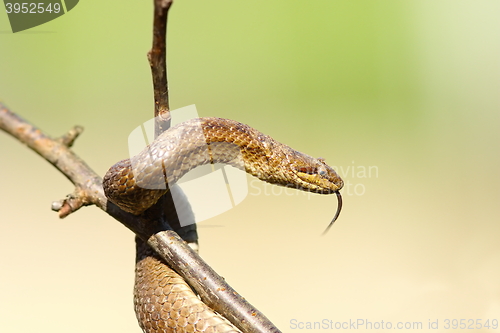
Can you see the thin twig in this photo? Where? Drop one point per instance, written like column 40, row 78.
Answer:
column 158, row 61
column 69, row 138
column 88, row 185
column 88, row 189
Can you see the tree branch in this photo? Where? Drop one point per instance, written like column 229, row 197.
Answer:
column 88, row 185
column 157, row 57
column 211, row 287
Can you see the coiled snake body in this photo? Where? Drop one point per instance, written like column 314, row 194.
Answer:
column 163, row 301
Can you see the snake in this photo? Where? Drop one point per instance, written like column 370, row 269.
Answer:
column 163, row 301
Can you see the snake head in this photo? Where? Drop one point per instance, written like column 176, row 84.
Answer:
column 320, row 178
column 313, row 174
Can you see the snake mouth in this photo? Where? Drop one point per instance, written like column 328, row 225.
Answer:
column 339, row 208
column 317, row 183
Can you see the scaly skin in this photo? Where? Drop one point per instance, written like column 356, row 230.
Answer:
column 163, row 301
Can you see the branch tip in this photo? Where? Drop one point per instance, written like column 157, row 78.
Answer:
column 69, row 138
column 65, row 210
column 57, row 205
column 165, row 4
column 71, row 203
column 157, row 58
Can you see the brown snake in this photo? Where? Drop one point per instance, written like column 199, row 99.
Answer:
column 163, row 301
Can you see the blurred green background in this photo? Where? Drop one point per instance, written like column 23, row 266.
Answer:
column 408, row 88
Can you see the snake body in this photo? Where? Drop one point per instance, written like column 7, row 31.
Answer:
column 163, row 301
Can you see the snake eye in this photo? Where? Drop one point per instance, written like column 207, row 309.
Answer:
column 322, row 172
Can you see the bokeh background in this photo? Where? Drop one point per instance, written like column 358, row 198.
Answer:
column 401, row 96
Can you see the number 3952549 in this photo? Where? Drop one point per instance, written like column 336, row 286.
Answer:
column 32, row 8
column 470, row 324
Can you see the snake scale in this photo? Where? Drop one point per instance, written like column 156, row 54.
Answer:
column 163, row 301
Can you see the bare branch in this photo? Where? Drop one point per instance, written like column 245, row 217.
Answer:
column 69, row 138
column 213, row 290
column 88, row 184
column 158, row 62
